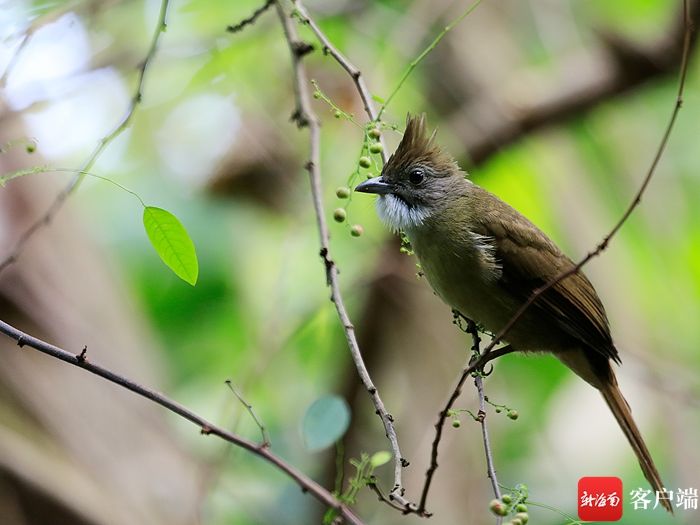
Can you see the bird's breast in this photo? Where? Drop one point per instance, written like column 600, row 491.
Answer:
column 464, row 272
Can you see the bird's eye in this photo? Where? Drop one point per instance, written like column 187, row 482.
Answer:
column 416, row 176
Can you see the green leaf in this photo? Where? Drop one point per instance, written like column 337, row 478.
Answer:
column 172, row 243
column 325, row 422
column 380, row 458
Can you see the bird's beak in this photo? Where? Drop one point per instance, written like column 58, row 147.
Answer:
column 375, row 185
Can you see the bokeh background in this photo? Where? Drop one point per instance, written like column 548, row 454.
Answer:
column 557, row 107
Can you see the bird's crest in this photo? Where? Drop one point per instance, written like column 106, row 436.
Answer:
column 417, row 147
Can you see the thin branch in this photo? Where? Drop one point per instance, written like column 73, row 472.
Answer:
column 481, row 416
column 207, row 428
column 265, row 436
column 348, row 66
column 235, row 28
column 73, row 185
column 486, row 355
column 305, row 117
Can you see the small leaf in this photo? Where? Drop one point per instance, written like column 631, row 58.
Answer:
column 172, row 243
column 378, row 99
column 380, row 458
column 325, row 422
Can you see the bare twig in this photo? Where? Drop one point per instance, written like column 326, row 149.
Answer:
column 486, row 355
column 73, row 185
column 235, row 28
column 206, row 428
column 265, row 436
column 481, row 416
column 305, row 117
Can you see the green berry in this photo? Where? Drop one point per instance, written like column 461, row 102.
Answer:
column 498, row 508
column 364, row 162
column 356, row 230
column 339, row 215
column 317, row 95
column 516, row 521
column 374, row 133
column 506, row 499
column 31, row 148
column 376, row 148
column 338, row 114
column 343, row 192
column 499, row 410
column 513, row 414
column 456, row 423
column 524, row 517
column 521, row 507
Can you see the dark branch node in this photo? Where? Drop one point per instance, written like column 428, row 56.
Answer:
column 300, row 119
column 82, row 356
column 20, row 341
column 301, row 48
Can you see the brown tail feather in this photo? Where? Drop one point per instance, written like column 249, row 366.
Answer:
column 619, row 407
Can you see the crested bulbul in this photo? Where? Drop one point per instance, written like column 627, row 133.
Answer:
column 485, row 259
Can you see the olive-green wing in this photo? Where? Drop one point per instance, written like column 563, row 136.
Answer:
column 529, row 260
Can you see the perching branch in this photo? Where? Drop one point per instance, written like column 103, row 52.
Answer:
column 207, row 428
column 104, row 142
column 486, row 355
column 481, row 416
column 305, row 117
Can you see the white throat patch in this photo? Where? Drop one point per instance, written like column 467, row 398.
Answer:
column 396, row 214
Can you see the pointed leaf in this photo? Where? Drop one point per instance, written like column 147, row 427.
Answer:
column 172, row 243
column 325, row 422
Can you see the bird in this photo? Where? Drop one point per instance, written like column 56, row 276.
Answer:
column 485, row 260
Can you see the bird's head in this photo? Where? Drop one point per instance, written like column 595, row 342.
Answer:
column 416, row 182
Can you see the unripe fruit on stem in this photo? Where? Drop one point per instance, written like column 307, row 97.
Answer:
column 456, row 423
column 356, row 230
column 364, row 162
column 317, row 95
column 339, row 215
column 343, row 192
column 498, row 410
column 337, row 114
column 524, row 517
column 374, row 133
column 31, row 148
column 513, row 414
column 521, row 507
column 506, row 499
column 498, row 508
column 376, row 148
column 516, row 521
